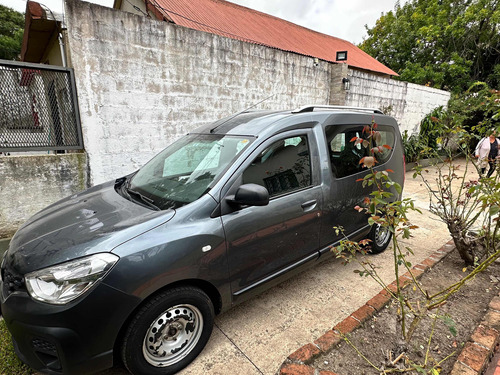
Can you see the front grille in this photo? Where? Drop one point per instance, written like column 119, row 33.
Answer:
column 47, row 353
column 41, row 345
column 12, row 281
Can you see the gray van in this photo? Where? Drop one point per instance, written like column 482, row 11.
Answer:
column 138, row 267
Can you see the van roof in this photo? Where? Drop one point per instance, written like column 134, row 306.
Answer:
column 257, row 122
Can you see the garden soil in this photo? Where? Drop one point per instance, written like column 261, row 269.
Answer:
column 377, row 339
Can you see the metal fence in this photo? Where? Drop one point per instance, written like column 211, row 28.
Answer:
column 38, row 108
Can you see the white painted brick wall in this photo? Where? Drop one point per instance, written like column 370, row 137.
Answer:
column 410, row 102
column 30, row 183
column 143, row 83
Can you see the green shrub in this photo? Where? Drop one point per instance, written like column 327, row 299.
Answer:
column 414, row 148
column 10, row 364
column 476, row 111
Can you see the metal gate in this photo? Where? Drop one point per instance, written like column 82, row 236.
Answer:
column 38, row 108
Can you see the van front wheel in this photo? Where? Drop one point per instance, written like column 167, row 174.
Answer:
column 168, row 332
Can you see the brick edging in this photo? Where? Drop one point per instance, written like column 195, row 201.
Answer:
column 478, row 351
column 298, row 362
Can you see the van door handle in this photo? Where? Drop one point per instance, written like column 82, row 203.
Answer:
column 308, row 204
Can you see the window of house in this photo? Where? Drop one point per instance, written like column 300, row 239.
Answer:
column 345, row 155
column 282, row 167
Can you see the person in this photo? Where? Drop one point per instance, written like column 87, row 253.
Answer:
column 487, row 152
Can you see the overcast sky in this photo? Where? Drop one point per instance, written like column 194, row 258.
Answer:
column 344, row 19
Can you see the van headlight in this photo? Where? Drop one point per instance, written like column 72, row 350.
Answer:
column 63, row 283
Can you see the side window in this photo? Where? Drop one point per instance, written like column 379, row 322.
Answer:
column 386, row 138
column 282, row 167
column 345, row 155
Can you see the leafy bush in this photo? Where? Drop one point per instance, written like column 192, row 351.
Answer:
column 414, row 148
column 436, row 131
column 462, row 204
column 469, row 117
column 431, row 127
column 476, row 111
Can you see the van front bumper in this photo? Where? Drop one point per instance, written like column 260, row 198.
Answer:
column 77, row 338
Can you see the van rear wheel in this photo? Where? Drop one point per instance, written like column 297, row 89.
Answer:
column 380, row 237
column 168, row 332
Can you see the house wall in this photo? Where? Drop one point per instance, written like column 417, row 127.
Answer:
column 30, row 183
column 407, row 102
column 143, row 83
column 53, row 56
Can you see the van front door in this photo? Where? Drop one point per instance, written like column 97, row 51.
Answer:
column 265, row 242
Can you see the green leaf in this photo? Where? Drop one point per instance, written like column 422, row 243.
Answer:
column 380, row 201
column 450, row 323
column 420, row 369
column 432, row 43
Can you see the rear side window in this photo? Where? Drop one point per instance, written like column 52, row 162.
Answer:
column 345, row 155
column 281, row 168
column 387, row 138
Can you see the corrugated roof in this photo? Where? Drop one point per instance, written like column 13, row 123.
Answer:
column 238, row 22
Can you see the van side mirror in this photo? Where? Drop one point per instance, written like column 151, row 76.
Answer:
column 250, row 195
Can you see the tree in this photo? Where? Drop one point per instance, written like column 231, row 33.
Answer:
column 447, row 44
column 11, row 33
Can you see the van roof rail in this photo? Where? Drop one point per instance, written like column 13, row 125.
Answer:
column 311, row 107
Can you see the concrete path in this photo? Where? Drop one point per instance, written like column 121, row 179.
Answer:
column 257, row 336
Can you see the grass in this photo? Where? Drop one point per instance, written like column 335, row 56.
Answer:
column 9, row 363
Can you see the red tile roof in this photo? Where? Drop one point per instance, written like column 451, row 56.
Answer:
column 238, row 22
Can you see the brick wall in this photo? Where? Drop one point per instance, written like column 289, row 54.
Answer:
column 143, row 83
column 409, row 102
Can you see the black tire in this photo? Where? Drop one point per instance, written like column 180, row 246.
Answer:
column 168, row 332
column 380, row 238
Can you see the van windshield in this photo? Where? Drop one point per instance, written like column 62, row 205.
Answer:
column 185, row 170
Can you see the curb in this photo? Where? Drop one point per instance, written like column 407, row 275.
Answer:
column 478, row 351
column 298, row 362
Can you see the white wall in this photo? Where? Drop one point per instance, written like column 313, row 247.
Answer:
column 30, row 183
column 143, row 83
column 409, row 102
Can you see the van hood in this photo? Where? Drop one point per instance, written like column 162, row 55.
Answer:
column 94, row 221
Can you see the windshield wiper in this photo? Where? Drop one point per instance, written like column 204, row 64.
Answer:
column 148, row 201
